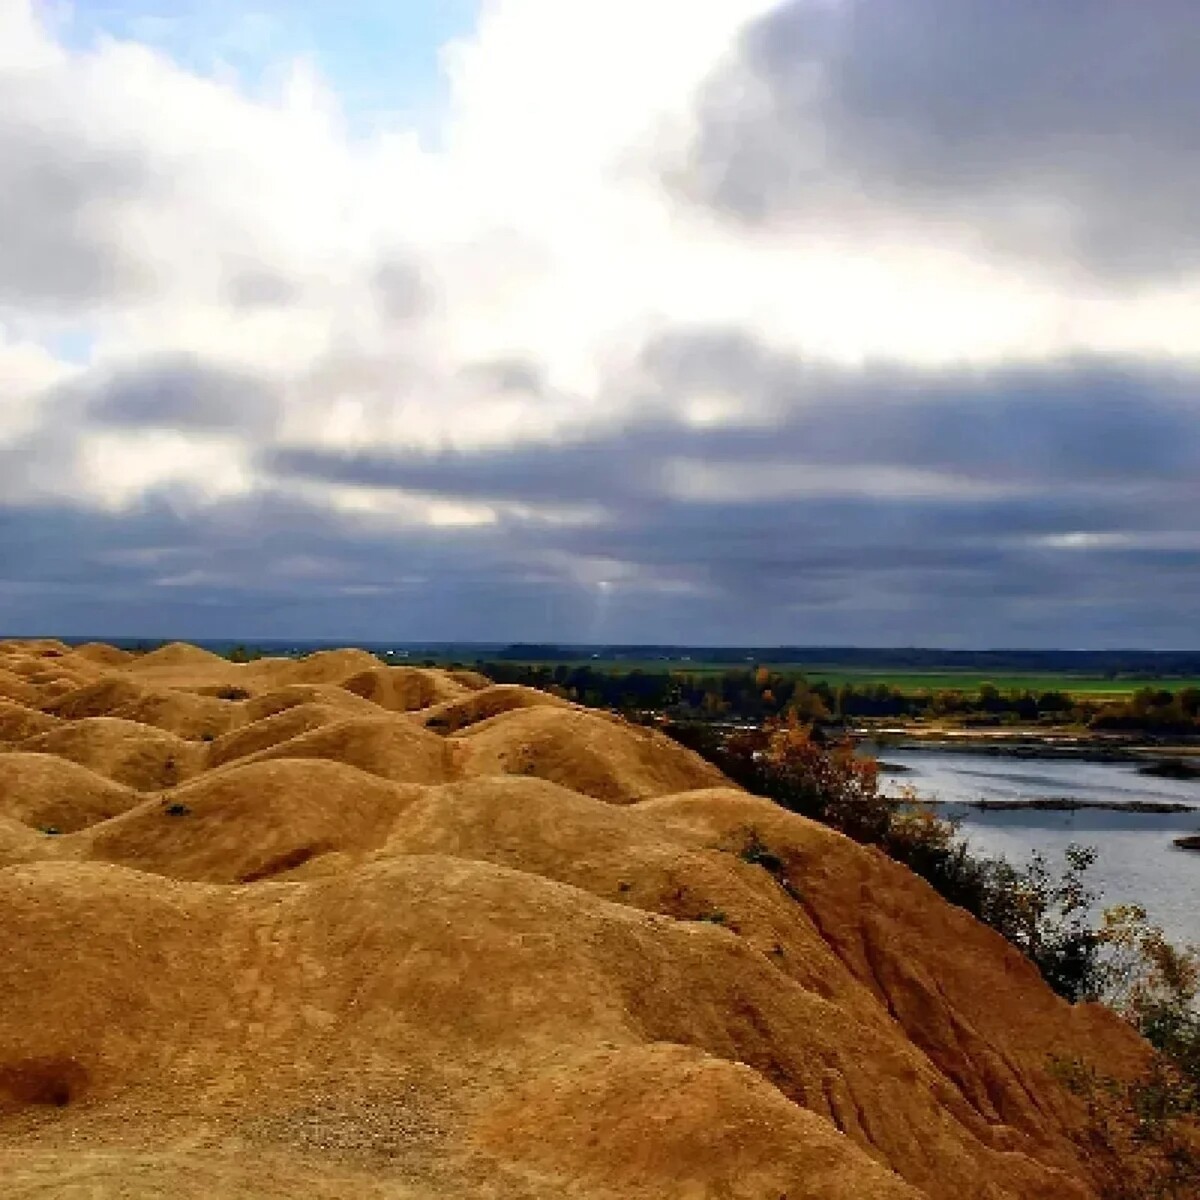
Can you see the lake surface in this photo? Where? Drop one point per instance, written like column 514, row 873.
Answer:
column 1137, row 863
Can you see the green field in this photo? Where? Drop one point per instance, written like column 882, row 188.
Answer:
column 970, row 681
column 1098, row 686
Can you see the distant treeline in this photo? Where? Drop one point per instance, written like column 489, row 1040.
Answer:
column 758, row 694
column 1127, row 663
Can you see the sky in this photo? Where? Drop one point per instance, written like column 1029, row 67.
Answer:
column 755, row 322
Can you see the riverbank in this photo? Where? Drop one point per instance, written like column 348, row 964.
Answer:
column 1071, row 804
column 1018, row 806
column 1179, row 758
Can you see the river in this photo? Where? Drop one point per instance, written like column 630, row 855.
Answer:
column 1137, row 861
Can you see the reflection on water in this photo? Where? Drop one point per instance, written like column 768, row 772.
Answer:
column 1137, row 864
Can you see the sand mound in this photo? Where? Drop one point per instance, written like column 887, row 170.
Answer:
column 124, row 751
column 373, row 994
column 104, row 655
column 272, row 731
column 185, row 714
column 328, row 695
column 47, row 791
column 325, row 666
column 594, row 754
column 18, row 722
column 471, row 680
column 403, row 689
column 538, row 953
column 176, row 655
column 672, row 1121
column 387, row 746
column 14, row 688
column 254, row 822
column 35, row 648
column 483, row 704
column 99, row 699
column 21, row 844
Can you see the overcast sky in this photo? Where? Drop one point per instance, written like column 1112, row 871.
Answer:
column 724, row 321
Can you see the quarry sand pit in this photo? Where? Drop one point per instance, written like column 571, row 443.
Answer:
column 355, row 930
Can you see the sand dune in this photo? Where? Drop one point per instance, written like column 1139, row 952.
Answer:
column 404, row 689
column 13, row 687
column 413, row 937
column 104, row 656
column 174, row 655
column 272, row 730
column 100, row 698
column 386, row 745
column 254, row 822
column 329, row 695
column 589, row 752
column 124, row 751
column 325, row 666
column 49, row 791
column 18, row 722
column 452, row 715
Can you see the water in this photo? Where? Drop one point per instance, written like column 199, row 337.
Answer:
column 1138, row 863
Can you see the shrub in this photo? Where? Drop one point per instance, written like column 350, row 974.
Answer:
column 1142, row 1135
column 1043, row 915
column 758, row 854
column 1145, row 1131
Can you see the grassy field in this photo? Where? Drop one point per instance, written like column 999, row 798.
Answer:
column 907, row 681
column 1075, row 685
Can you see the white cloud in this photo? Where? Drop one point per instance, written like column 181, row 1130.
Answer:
column 497, row 285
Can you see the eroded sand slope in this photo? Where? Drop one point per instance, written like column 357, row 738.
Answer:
column 334, row 929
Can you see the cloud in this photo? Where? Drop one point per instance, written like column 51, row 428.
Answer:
column 805, row 429
column 497, row 381
column 892, row 505
column 180, row 392
column 1023, row 129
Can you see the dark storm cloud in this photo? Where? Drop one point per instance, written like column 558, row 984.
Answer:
column 1037, row 506
column 856, row 570
column 181, row 392
column 1037, row 128
column 1085, row 422
column 1052, row 505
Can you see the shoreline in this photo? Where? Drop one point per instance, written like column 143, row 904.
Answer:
column 1070, row 804
column 1025, row 743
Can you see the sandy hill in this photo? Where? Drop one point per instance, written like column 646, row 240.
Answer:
column 483, row 703
column 273, row 730
column 404, row 689
column 266, row 704
column 13, row 687
column 385, row 745
column 105, row 656
column 126, row 752
column 49, row 791
column 589, row 752
column 325, row 666
column 398, row 934
column 174, row 655
column 19, row 721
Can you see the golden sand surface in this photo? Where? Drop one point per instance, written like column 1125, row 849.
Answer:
column 326, row 928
